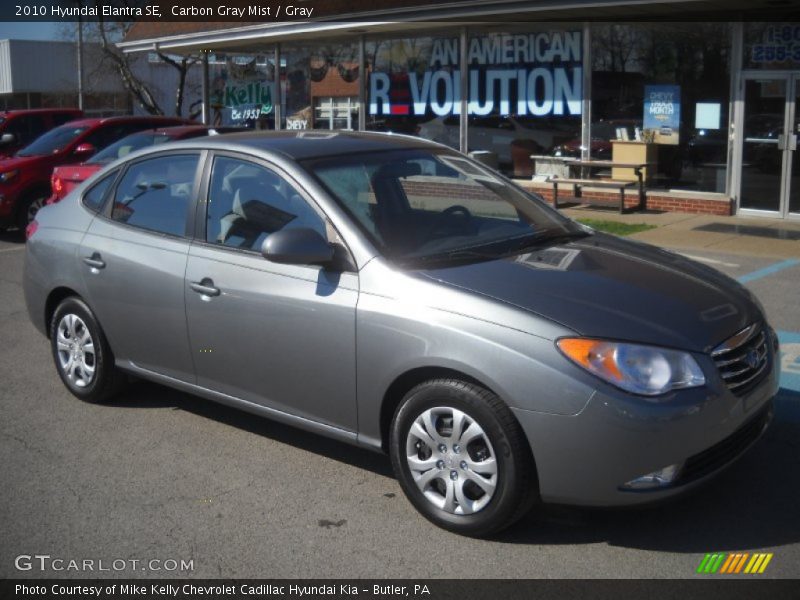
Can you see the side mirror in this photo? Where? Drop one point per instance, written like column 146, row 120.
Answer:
column 7, row 138
column 84, row 150
column 301, row 246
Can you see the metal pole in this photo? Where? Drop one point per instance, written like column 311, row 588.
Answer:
column 206, row 94
column 362, row 81
column 80, row 63
column 278, row 101
column 735, row 116
column 586, row 102
column 463, row 134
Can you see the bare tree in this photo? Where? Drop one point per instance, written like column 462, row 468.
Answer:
column 182, row 64
column 139, row 89
column 107, row 34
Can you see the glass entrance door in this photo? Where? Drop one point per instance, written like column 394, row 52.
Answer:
column 770, row 173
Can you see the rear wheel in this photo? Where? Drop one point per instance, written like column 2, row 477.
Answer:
column 461, row 457
column 81, row 354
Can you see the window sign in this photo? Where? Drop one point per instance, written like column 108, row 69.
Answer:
column 662, row 113
column 772, row 46
column 707, row 115
column 242, row 93
column 780, row 45
column 537, row 74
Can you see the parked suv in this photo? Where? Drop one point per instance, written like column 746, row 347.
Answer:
column 25, row 177
column 18, row 128
column 66, row 177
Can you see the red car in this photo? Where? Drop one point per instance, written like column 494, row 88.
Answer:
column 67, row 177
column 25, row 177
column 18, row 128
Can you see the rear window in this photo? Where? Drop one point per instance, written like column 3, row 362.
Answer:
column 125, row 146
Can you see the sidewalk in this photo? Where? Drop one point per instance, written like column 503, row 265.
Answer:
column 737, row 235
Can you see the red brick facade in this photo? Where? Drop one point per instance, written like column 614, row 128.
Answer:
column 656, row 200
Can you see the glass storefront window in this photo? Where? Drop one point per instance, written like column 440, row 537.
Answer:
column 660, row 94
column 320, row 85
column 525, row 94
column 242, row 90
column 414, row 87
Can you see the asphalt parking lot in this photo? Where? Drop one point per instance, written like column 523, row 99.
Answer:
column 162, row 475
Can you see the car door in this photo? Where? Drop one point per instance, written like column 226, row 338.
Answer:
column 134, row 261
column 277, row 335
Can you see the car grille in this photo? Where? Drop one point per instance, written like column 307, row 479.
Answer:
column 742, row 360
column 720, row 454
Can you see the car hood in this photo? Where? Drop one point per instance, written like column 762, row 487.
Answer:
column 606, row 287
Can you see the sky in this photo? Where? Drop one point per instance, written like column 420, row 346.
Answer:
column 29, row 31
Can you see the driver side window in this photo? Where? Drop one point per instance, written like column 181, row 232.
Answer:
column 248, row 202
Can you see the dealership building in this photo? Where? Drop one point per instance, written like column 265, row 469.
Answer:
column 701, row 93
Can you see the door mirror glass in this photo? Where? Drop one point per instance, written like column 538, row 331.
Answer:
column 301, row 246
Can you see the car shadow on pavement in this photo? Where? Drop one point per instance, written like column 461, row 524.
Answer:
column 753, row 504
column 142, row 394
column 12, row 236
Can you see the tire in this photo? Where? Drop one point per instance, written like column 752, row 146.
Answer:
column 460, row 489
column 81, row 353
column 28, row 209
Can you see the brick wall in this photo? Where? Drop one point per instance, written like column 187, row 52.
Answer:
column 655, row 200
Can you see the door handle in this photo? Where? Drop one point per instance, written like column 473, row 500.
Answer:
column 792, row 141
column 94, row 261
column 205, row 287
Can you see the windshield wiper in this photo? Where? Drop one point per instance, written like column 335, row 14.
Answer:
column 498, row 249
column 548, row 236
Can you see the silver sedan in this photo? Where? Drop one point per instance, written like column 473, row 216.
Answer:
column 392, row 293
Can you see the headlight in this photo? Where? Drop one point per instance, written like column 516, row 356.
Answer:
column 645, row 370
column 8, row 175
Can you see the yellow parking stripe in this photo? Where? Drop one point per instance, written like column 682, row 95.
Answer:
column 751, row 563
column 765, row 563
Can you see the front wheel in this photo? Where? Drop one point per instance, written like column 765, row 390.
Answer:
column 81, row 354
column 461, row 457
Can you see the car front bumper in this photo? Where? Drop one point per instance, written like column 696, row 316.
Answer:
column 586, row 459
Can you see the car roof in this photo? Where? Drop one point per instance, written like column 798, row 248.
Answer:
column 92, row 122
column 300, row 145
column 177, row 131
column 38, row 111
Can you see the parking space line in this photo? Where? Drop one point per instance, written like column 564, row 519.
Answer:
column 710, row 261
column 768, row 270
column 788, row 401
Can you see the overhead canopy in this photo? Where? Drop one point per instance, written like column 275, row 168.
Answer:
column 345, row 18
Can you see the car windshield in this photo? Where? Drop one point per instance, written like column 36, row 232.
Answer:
column 423, row 206
column 52, row 141
column 127, row 145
